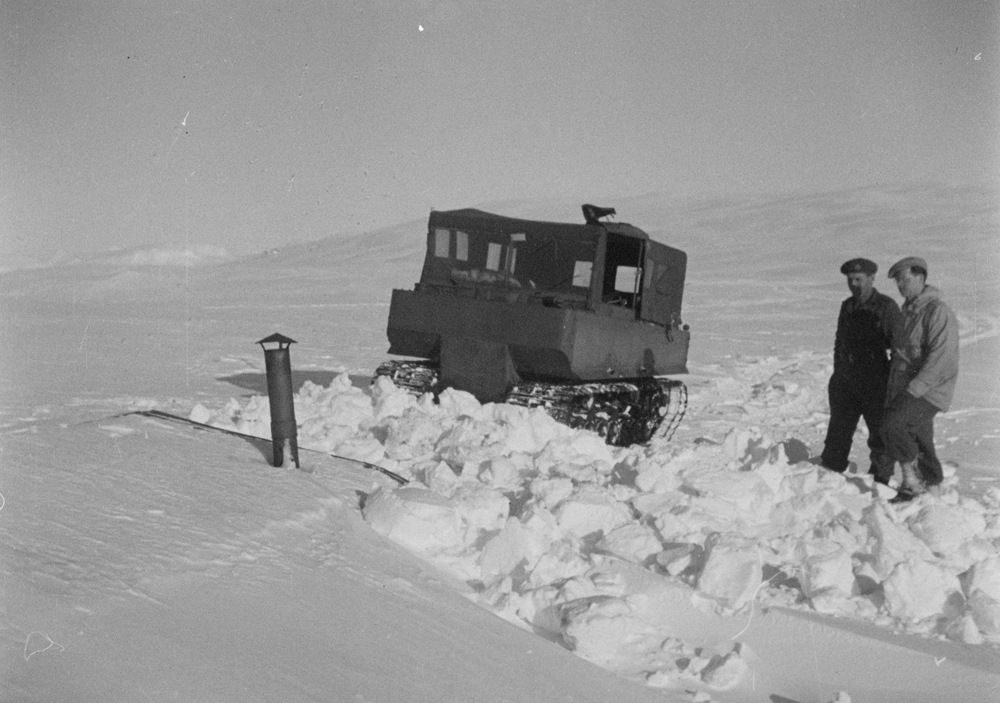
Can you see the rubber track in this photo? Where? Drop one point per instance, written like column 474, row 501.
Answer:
column 625, row 412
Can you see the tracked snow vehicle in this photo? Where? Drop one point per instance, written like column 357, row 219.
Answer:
column 583, row 320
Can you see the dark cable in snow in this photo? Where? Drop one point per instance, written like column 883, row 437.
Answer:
column 160, row 414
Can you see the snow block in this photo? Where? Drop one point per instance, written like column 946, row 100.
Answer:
column 199, row 413
column 963, row 628
column 916, row 590
column 587, row 512
column 480, row 509
column 416, row 518
column 829, row 572
column 361, row 448
column 428, row 522
column 388, row 400
column 732, row 571
column 597, row 628
column 985, row 576
column 458, row 403
column 725, row 672
column 581, row 456
column 944, row 528
column 892, row 542
column 468, row 442
column 744, row 490
column 413, row 435
column 632, row 542
column 338, row 405
column 550, row 492
column 501, row 472
column 678, row 559
column 985, row 613
column 511, row 546
column 984, row 597
column 560, row 563
column 533, row 432
column 655, row 476
column 797, row 481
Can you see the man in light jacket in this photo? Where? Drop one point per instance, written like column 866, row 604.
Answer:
column 922, row 377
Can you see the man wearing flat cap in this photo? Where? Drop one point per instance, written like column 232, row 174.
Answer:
column 860, row 369
column 921, row 379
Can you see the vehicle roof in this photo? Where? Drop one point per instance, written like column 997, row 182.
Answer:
column 473, row 219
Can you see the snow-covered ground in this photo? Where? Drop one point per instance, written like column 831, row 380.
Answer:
column 145, row 560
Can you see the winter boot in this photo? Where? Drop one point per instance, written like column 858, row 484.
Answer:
column 912, row 485
column 881, row 470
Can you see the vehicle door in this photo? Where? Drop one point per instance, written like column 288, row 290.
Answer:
column 662, row 284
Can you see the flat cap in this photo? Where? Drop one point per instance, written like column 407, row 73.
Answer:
column 859, row 266
column 908, row 262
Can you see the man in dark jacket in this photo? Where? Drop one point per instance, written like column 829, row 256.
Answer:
column 860, row 369
column 921, row 379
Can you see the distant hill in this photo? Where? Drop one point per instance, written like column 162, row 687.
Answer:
column 796, row 237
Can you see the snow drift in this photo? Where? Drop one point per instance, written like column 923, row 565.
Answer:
column 543, row 521
column 143, row 560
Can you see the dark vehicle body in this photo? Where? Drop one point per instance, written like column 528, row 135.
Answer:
column 581, row 319
column 560, row 302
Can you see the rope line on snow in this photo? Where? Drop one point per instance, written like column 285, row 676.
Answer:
column 51, row 643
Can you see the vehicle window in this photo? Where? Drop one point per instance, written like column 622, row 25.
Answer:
column 493, row 256
column 442, row 238
column 625, row 279
column 581, row 273
column 462, row 246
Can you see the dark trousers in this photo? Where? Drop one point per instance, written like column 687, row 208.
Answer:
column 908, row 431
column 849, row 402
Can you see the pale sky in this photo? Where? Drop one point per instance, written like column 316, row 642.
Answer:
column 248, row 125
